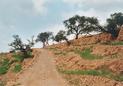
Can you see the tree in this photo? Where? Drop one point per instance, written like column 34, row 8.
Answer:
column 44, row 38
column 61, row 36
column 48, row 37
column 18, row 45
column 30, row 43
column 73, row 25
column 91, row 24
column 82, row 25
column 114, row 23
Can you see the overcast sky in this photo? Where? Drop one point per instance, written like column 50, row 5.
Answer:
column 30, row 17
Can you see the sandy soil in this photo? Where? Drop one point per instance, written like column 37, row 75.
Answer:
column 42, row 73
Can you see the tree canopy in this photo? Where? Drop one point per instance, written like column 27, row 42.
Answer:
column 114, row 23
column 44, row 38
column 60, row 36
column 17, row 44
column 81, row 25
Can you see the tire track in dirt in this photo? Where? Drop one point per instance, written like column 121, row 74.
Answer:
column 42, row 73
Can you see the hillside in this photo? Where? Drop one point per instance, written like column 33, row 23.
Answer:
column 88, row 61
column 91, row 61
column 37, row 71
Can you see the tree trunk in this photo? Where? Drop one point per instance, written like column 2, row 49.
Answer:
column 68, row 42
column 47, row 43
column 77, row 36
column 44, row 45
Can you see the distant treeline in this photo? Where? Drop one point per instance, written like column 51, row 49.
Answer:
column 76, row 25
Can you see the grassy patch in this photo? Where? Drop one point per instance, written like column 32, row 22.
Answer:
column 3, row 70
column 17, row 68
column 118, row 77
column 60, row 53
column 86, row 54
column 87, row 72
column 28, row 54
column 5, row 62
column 117, row 43
column 18, row 57
column 52, row 48
column 4, row 66
column 114, row 43
column 103, row 73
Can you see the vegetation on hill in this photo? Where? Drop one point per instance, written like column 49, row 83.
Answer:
column 80, row 55
column 82, row 25
column 44, row 37
column 114, row 23
column 13, row 61
column 61, row 36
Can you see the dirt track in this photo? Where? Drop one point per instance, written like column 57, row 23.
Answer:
column 42, row 72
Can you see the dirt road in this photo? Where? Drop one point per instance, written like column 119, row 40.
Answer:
column 42, row 73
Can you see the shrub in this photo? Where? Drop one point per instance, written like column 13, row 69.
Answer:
column 23, row 49
column 17, row 68
column 4, row 66
column 5, row 62
column 3, row 70
column 28, row 54
column 18, row 57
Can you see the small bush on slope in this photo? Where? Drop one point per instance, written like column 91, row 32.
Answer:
column 19, row 57
column 4, row 66
column 17, row 68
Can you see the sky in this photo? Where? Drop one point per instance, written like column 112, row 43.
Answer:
column 30, row 17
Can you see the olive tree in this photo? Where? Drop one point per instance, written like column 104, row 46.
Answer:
column 82, row 25
column 44, row 37
column 114, row 23
column 61, row 36
column 18, row 46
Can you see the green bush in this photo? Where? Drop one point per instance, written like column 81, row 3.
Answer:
column 5, row 62
column 18, row 57
column 17, row 68
column 28, row 54
column 3, row 70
